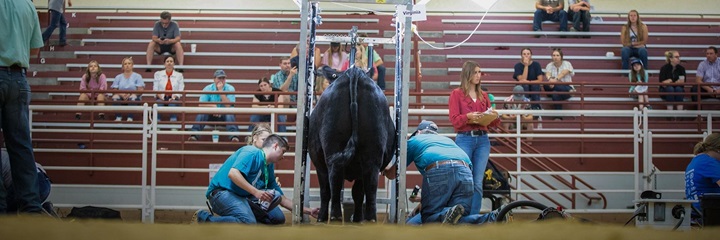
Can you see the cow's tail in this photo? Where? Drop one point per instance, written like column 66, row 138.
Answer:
column 349, row 152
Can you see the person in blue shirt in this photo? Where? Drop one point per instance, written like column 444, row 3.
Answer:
column 447, row 178
column 247, row 177
column 702, row 175
column 216, row 99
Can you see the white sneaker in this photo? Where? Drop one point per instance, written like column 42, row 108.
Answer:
column 453, row 215
column 129, row 119
column 117, row 119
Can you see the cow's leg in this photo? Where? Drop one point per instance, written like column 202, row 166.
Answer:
column 370, row 183
column 323, row 180
column 358, row 194
column 336, row 186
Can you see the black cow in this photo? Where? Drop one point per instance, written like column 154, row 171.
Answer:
column 352, row 138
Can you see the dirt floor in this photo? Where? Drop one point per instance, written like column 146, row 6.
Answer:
column 26, row 227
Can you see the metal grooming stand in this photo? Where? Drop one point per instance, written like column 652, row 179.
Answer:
column 305, row 94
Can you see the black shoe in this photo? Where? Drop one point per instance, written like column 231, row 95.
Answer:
column 148, row 70
column 101, row 116
column 180, row 70
column 78, row 116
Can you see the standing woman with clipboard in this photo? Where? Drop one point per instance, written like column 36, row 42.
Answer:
column 471, row 114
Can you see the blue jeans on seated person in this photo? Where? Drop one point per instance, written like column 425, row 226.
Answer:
column 541, row 15
column 381, row 76
column 672, row 89
column 580, row 17
column 444, row 187
column 14, row 119
column 172, row 103
column 266, row 118
column 533, row 97
column 558, row 97
column 213, row 118
column 119, row 115
column 694, row 95
column 236, row 209
column 628, row 52
column 469, row 219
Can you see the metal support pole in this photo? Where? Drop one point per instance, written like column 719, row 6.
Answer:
column 353, row 46
column 148, row 212
column 401, row 100
column 301, row 123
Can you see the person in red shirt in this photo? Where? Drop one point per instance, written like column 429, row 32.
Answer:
column 467, row 105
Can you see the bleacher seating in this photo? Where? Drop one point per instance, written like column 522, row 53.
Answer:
column 248, row 46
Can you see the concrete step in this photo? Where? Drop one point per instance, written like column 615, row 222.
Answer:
column 42, row 81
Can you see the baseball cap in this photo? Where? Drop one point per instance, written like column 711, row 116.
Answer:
column 518, row 92
column 426, row 124
column 635, row 60
column 219, row 73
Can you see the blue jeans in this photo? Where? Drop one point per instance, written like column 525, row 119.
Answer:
column 628, row 52
column 580, row 17
column 533, row 97
column 236, row 209
column 172, row 103
column 478, row 149
column 672, row 89
column 443, row 187
column 119, row 115
column 266, row 118
column 381, row 76
column 540, row 16
column 558, row 97
column 469, row 219
column 209, row 118
column 14, row 112
column 56, row 19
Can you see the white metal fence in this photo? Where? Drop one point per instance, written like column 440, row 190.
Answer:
column 152, row 197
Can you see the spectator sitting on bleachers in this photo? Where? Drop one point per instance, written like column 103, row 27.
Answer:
column 508, row 120
column 165, row 39
column 286, row 79
column 634, row 36
column 550, row 10
column 258, row 135
column 708, row 71
column 214, row 99
column 335, row 57
column 168, row 80
column 268, row 99
column 579, row 12
column 639, row 75
column 490, row 96
column 130, row 81
column 672, row 72
column 559, row 70
column 93, row 79
column 377, row 64
column 527, row 71
column 361, row 61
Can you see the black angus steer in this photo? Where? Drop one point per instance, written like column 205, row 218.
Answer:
column 351, row 137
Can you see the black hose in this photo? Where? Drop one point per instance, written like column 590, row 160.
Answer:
column 516, row 204
column 631, row 218
column 682, row 217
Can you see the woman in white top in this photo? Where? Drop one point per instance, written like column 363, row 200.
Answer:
column 561, row 71
column 168, row 80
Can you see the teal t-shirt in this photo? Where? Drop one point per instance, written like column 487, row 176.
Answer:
column 216, row 97
column 250, row 161
column 425, row 149
column 19, row 32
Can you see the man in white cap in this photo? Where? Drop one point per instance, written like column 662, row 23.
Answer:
column 217, row 99
column 447, row 178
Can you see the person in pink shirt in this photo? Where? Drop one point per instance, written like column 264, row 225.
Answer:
column 93, row 80
column 335, row 57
